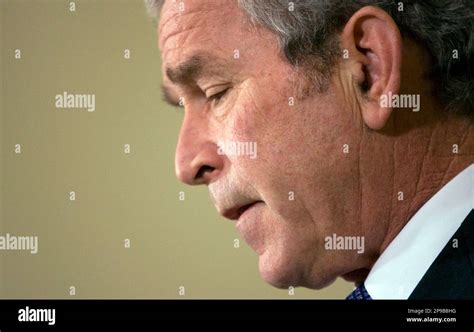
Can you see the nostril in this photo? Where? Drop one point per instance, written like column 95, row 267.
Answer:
column 203, row 170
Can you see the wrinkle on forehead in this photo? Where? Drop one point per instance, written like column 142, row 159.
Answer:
column 196, row 14
column 180, row 41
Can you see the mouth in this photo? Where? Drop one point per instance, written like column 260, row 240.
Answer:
column 236, row 212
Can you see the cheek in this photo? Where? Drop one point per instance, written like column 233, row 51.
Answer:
column 274, row 170
column 251, row 111
column 258, row 120
column 262, row 116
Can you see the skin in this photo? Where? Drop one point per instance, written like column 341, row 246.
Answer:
column 300, row 147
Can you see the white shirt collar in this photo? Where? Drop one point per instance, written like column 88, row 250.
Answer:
column 402, row 265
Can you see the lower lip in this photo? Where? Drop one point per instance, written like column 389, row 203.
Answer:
column 249, row 210
column 247, row 226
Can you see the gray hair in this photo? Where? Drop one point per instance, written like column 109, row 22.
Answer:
column 307, row 30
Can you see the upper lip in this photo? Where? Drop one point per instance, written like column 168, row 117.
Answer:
column 236, row 211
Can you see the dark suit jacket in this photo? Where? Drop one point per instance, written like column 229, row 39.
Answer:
column 451, row 276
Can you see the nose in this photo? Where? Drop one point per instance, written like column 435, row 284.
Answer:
column 197, row 160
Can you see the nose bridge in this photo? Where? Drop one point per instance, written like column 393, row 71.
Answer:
column 196, row 160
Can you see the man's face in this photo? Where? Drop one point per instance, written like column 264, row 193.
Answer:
column 301, row 187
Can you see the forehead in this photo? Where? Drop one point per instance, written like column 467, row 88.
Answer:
column 198, row 22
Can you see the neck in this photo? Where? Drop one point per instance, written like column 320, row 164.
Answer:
column 419, row 152
column 426, row 158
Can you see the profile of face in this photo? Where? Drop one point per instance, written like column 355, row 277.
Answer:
column 303, row 184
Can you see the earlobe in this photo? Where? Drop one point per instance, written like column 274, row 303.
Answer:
column 375, row 44
column 375, row 116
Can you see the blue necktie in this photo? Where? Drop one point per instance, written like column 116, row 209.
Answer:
column 360, row 293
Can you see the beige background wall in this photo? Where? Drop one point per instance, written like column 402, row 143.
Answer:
column 118, row 196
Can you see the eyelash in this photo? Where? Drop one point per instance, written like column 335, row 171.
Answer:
column 216, row 98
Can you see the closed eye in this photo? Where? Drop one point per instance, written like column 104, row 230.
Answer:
column 217, row 97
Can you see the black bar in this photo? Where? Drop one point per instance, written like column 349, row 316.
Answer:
column 134, row 313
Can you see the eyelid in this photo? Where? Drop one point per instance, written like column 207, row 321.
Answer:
column 212, row 91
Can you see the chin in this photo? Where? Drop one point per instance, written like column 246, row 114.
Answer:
column 277, row 270
column 283, row 271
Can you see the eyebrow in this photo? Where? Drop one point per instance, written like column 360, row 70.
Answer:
column 189, row 71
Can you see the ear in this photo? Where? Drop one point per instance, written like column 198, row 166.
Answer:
column 375, row 50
